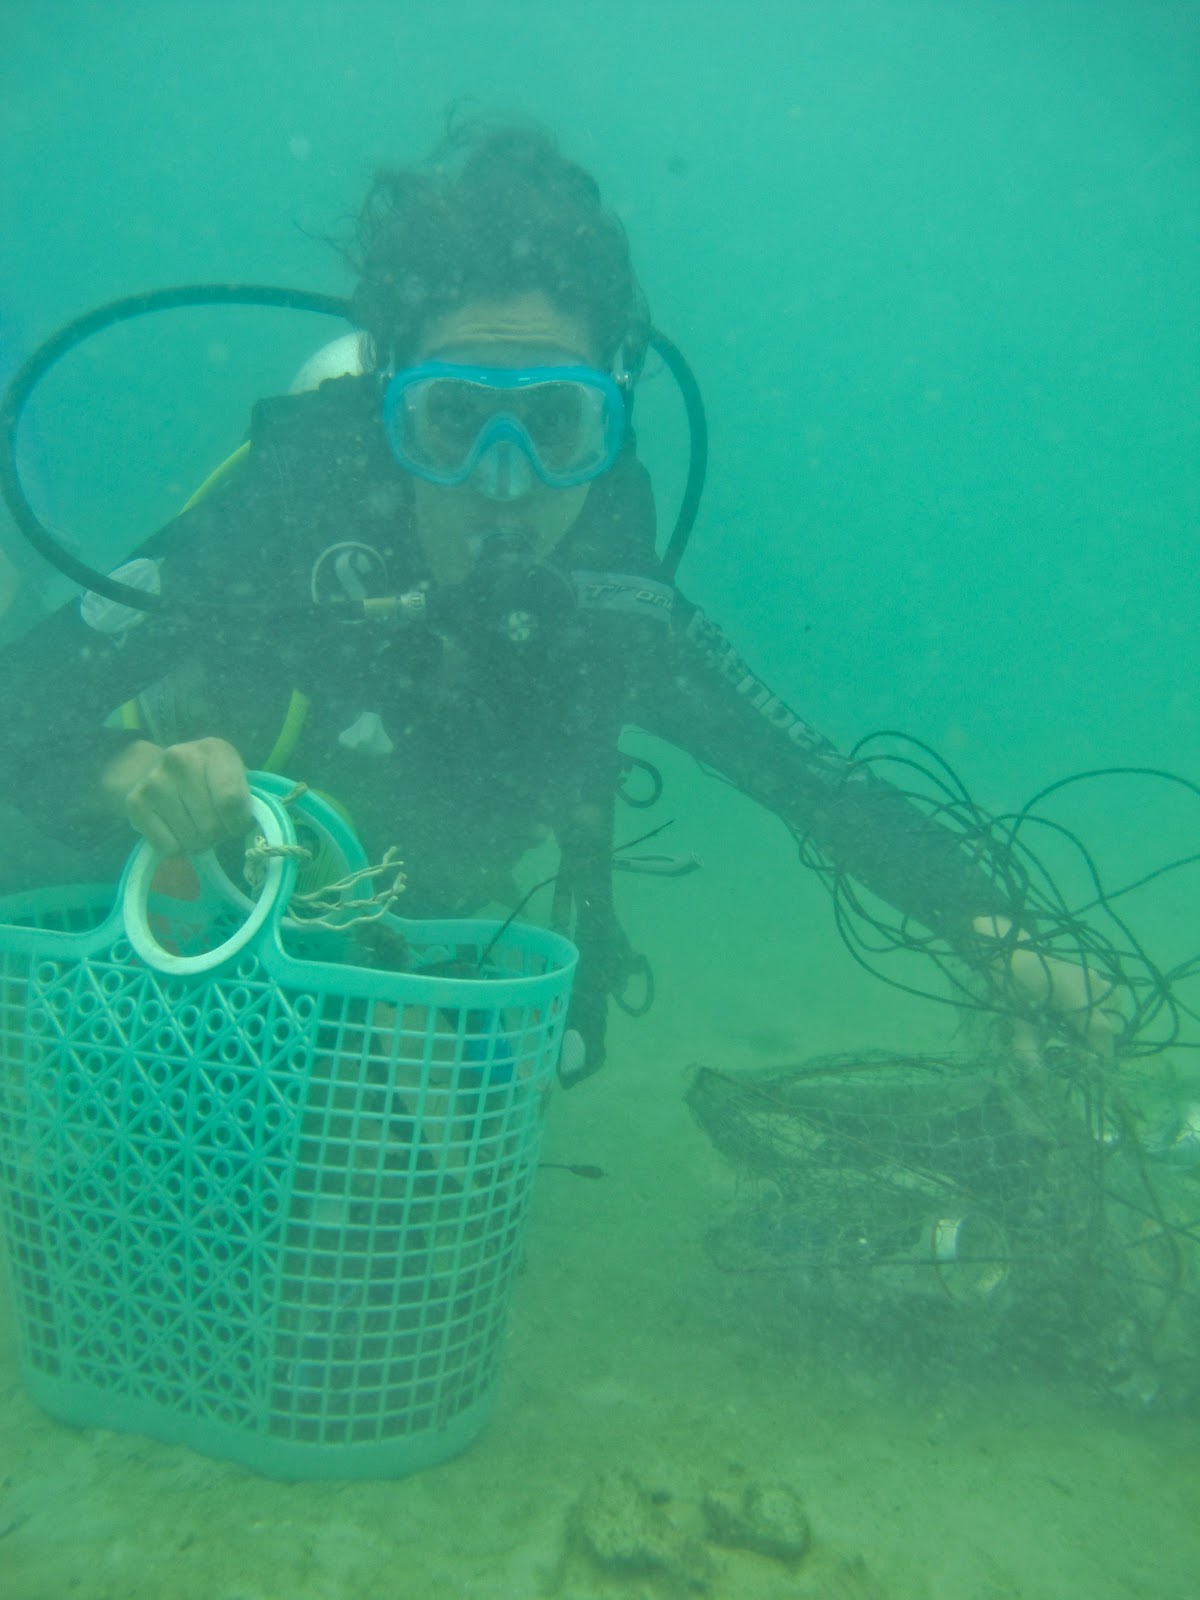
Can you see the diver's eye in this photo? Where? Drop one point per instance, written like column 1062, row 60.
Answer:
column 455, row 412
column 553, row 409
column 553, row 415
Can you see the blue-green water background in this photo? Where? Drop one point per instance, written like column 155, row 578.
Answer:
column 937, row 266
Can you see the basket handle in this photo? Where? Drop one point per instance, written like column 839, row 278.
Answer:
column 135, row 895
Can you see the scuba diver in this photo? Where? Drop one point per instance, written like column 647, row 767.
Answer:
column 429, row 588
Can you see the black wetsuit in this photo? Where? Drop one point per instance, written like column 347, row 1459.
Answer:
column 467, row 734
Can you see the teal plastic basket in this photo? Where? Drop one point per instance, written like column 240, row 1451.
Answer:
column 261, row 1197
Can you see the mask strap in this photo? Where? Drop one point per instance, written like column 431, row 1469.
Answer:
column 622, row 373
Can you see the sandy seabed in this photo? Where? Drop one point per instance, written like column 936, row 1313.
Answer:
column 630, row 1356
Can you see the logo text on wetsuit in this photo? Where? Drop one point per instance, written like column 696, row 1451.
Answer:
column 713, row 644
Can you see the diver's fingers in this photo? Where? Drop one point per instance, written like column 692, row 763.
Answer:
column 228, row 790
column 1025, row 1041
column 1105, row 1027
column 1078, row 996
column 193, row 797
column 157, row 830
column 1065, row 986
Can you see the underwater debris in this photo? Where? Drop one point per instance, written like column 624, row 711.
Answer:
column 972, row 1202
column 768, row 1519
column 744, row 1537
column 626, row 1531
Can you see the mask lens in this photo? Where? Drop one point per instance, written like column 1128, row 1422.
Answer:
column 447, row 416
column 560, row 418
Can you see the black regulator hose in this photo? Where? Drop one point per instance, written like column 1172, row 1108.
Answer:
column 75, row 333
column 27, row 378
column 693, row 404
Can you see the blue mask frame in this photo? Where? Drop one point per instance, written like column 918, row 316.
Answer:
column 605, row 400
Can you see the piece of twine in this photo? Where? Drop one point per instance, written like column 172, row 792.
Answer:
column 327, row 906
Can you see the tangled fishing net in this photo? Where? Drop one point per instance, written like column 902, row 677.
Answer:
column 976, row 1195
column 1046, row 1207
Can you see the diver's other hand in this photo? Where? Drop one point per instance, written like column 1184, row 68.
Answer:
column 1067, row 991
column 184, row 798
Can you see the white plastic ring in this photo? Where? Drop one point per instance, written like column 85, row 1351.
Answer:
column 135, row 900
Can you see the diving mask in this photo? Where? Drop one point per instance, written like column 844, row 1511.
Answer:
column 445, row 422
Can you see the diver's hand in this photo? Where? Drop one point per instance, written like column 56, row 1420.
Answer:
column 184, row 798
column 1064, row 990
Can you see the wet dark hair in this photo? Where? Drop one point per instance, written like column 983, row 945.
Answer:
column 496, row 210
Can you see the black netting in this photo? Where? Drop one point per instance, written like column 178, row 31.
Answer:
column 982, row 1192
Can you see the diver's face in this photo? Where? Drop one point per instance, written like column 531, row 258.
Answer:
column 521, row 331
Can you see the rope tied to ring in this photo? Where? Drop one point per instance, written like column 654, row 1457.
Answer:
column 327, row 906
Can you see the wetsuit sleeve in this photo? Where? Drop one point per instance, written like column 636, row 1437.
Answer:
column 693, row 689
column 234, row 576
column 64, row 679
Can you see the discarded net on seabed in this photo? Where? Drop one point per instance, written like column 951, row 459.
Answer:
column 976, row 1190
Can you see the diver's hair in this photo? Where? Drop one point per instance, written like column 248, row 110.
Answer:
column 497, row 210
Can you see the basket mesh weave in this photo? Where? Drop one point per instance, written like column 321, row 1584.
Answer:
column 275, row 1210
